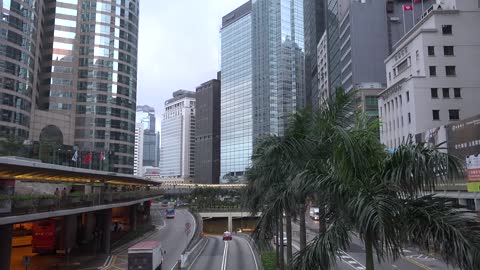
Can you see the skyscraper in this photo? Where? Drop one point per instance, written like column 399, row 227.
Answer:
column 138, row 154
column 263, row 77
column 314, row 23
column 177, row 151
column 236, row 93
column 145, row 116
column 72, row 65
column 357, row 43
column 207, row 133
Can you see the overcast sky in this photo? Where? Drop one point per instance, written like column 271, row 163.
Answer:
column 179, row 46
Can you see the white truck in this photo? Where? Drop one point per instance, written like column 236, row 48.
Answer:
column 146, row 256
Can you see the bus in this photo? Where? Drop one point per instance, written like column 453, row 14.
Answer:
column 171, row 212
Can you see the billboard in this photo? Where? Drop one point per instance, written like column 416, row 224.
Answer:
column 464, row 143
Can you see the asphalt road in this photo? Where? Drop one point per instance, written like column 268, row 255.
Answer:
column 226, row 255
column 354, row 257
column 170, row 233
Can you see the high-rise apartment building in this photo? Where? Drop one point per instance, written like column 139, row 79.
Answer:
column 263, row 77
column 357, row 42
column 207, row 133
column 314, row 16
column 236, row 93
column 68, row 76
column 177, row 151
column 432, row 73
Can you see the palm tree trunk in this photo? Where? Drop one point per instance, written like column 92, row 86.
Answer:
column 369, row 253
column 303, row 227
column 280, row 243
column 322, row 223
column 289, row 236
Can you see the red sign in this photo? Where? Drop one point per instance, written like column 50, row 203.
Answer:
column 43, row 236
column 473, row 168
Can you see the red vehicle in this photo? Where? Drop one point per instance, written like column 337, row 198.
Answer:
column 227, row 236
column 43, row 236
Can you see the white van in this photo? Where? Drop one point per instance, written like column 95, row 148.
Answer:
column 146, row 256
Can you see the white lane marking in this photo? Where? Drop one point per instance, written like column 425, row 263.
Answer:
column 200, row 253
column 253, row 253
column 225, row 256
column 351, row 261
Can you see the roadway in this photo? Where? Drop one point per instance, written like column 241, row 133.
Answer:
column 354, row 256
column 170, row 232
column 217, row 254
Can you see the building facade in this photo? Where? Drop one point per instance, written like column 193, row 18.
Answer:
column 322, row 76
column 177, row 150
column 314, row 16
column 432, row 73
column 207, row 133
column 236, row 120
column 357, row 42
column 70, row 71
column 145, row 116
column 138, row 154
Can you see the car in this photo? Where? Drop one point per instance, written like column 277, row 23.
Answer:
column 227, row 236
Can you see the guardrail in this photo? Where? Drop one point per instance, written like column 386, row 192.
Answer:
column 22, row 204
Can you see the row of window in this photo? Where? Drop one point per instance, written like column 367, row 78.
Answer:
column 449, row 71
column 447, row 51
column 452, row 114
column 446, row 92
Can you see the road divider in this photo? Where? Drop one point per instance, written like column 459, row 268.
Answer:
column 225, row 256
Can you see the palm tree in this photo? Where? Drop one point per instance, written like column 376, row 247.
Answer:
column 384, row 197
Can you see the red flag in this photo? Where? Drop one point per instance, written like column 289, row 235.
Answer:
column 417, row 1
column 88, row 158
column 407, row 7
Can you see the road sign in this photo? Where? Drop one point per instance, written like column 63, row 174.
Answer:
column 188, row 225
column 26, row 261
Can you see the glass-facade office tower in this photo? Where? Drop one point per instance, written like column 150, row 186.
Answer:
column 76, row 84
column 236, row 124
column 177, row 151
column 262, row 77
column 278, row 64
column 314, row 25
column 151, row 138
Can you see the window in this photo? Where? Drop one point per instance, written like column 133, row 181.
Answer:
column 431, row 51
column 446, row 92
column 447, row 29
column 436, row 114
column 434, row 92
column 448, row 51
column 389, row 76
column 450, row 71
column 409, row 118
column 408, row 96
column 433, row 71
column 454, row 114
column 457, row 93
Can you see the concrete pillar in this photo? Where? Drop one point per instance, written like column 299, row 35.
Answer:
column 70, row 232
column 107, row 229
column 5, row 246
column 133, row 217
column 477, row 205
column 230, row 222
column 89, row 227
column 462, row 202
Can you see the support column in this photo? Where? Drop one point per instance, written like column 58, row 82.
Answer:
column 230, row 222
column 5, row 246
column 70, row 232
column 107, row 229
column 89, row 227
column 133, row 217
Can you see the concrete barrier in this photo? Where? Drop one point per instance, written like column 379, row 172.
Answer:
column 190, row 256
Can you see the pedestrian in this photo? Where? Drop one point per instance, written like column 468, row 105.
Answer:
column 57, row 193
column 64, row 193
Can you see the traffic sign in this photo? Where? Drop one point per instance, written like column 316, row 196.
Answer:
column 188, row 225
